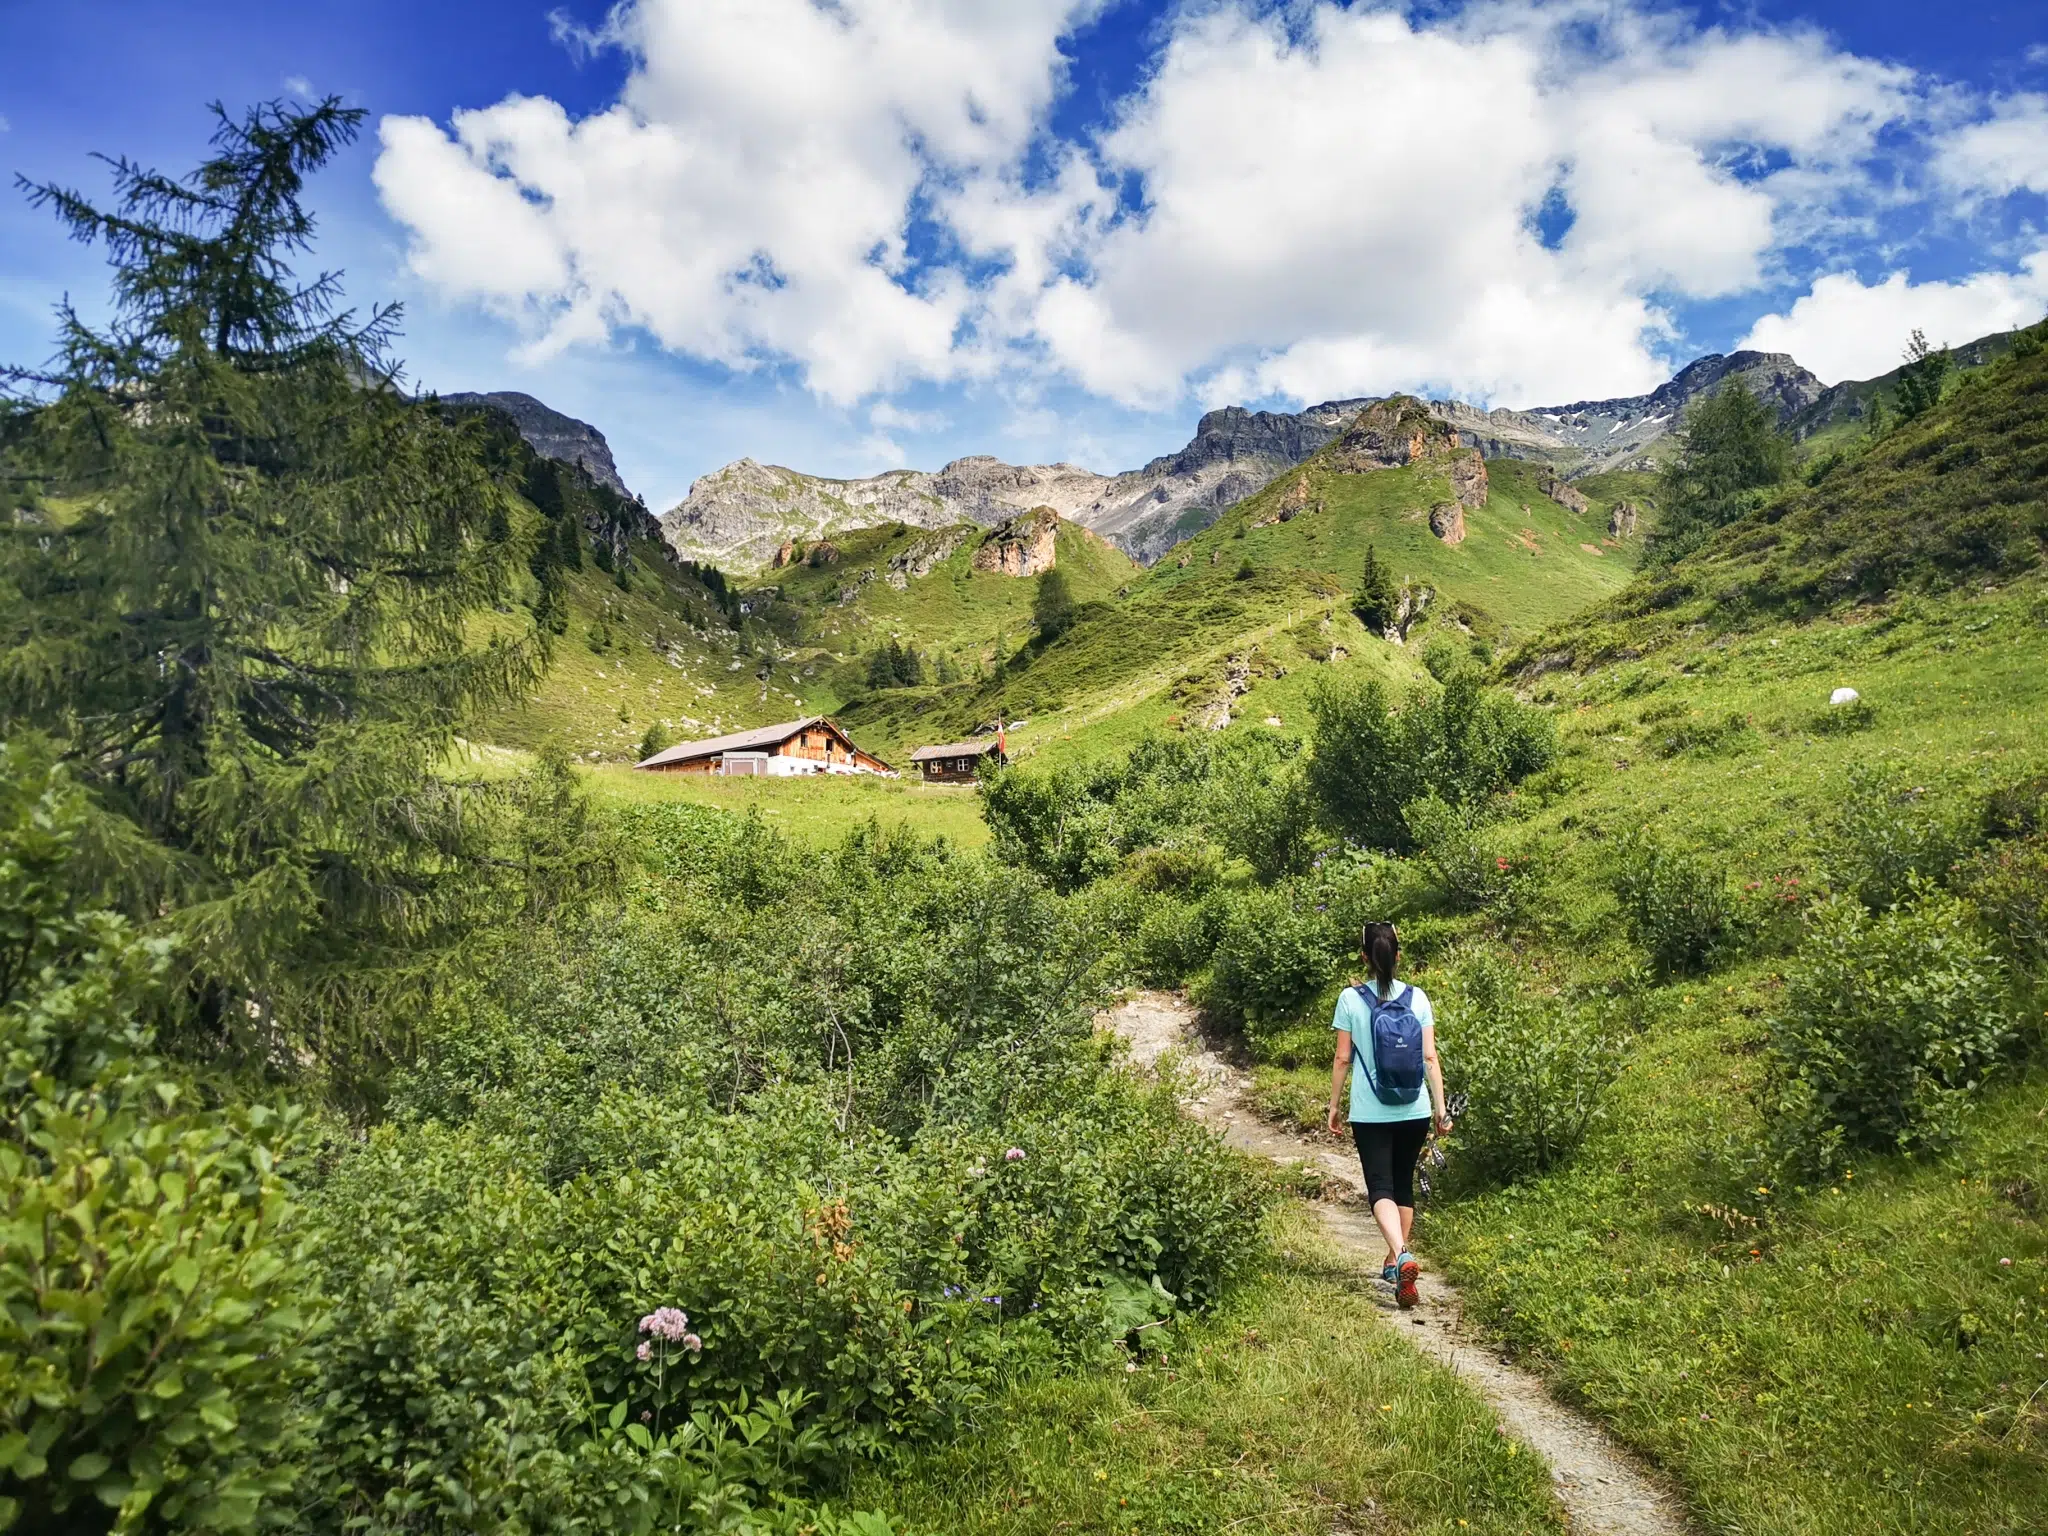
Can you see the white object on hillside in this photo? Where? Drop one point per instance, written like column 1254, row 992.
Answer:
column 1844, row 696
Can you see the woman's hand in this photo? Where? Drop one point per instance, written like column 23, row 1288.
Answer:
column 1443, row 1125
column 1336, row 1126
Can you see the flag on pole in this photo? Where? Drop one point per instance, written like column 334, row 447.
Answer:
column 1002, row 746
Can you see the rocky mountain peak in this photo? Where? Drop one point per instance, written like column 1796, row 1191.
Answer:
column 551, row 434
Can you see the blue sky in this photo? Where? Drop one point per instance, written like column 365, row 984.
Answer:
column 874, row 235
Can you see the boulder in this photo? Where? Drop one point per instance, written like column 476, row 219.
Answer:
column 1447, row 522
column 1843, row 696
column 1563, row 494
column 1621, row 522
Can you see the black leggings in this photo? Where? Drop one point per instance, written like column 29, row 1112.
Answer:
column 1387, row 1150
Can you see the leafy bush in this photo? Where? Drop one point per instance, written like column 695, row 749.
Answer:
column 1272, row 955
column 1886, row 1027
column 1531, row 1071
column 1060, row 824
column 1467, row 868
column 1259, row 807
column 1677, row 906
column 2009, row 885
column 1174, row 939
column 1886, row 834
column 153, row 1300
column 1462, row 742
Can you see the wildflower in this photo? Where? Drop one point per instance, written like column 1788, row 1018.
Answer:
column 1014, row 1155
column 2005, row 1263
column 692, row 1343
column 1499, row 863
column 645, row 1351
column 646, row 1415
column 666, row 1323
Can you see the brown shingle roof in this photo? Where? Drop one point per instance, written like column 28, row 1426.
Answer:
column 953, row 749
column 739, row 741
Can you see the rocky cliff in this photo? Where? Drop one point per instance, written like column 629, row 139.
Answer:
column 551, row 434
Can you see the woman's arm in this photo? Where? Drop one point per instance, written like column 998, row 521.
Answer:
column 1434, row 1068
column 1340, row 1077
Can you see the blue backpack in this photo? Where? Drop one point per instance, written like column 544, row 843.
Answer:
column 1395, row 1074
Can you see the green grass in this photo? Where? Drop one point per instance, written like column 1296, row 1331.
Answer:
column 818, row 810
column 1293, row 1411
column 952, row 610
column 1867, row 1367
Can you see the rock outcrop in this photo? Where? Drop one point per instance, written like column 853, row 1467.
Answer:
column 1622, row 520
column 1390, row 433
column 926, row 554
column 551, row 434
column 1025, row 545
column 1447, row 522
column 1564, row 494
column 1468, row 479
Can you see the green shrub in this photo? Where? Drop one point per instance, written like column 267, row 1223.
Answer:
column 1886, row 834
column 1174, row 939
column 1527, row 1074
column 1467, row 867
column 1677, row 905
column 1259, row 808
column 1843, row 719
column 1462, row 742
column 1886, row 1028
column 2009, row 884
column 1273, row 953
column 1060, row 823
column 154, row 1299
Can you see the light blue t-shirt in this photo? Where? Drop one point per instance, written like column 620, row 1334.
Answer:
column 1352, row 1017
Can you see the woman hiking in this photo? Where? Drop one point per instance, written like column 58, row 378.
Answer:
column 1389, row 1029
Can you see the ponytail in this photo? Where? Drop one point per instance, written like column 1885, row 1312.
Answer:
column 1382, row 947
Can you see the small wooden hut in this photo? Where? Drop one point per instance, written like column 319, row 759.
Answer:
column 814, row 744
column 957, row 761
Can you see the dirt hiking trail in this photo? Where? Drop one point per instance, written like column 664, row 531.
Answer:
column 1602, row 1488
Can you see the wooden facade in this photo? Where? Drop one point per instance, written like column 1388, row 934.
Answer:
column 814, row 744
column 956, row 762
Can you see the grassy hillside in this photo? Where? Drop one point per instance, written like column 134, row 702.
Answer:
column 1859, row 1347
column 1248, row 612
column 951, row 610
column 650, row 648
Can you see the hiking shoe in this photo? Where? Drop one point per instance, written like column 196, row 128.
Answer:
column 1405, row 1292
column 1387, row 1273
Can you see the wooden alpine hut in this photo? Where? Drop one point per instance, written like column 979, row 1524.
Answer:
column 956, row 762
column 814, row 744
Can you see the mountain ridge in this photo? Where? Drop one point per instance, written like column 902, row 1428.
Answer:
column 739, row 514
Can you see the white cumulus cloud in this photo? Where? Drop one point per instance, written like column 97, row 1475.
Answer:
column 752, row 194
column 2005, row 153
column 1298, row 199
column 1845, row 328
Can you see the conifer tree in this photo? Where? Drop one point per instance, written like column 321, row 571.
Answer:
column 1729, row 454
column 1921, row 380
column 252, row 591
column 1376, row 601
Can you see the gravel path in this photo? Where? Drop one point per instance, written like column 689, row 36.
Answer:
column 1603, row 1489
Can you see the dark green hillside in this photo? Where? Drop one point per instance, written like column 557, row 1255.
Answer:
column 1840, row 415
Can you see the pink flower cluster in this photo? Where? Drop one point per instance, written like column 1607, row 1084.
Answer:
column 1014, row 1155
column 670, row 1324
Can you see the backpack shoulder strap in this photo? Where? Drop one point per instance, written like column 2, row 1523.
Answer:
column 1361, row 1050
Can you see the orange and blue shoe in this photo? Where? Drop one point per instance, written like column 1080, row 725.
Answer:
column 1406, row 1271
